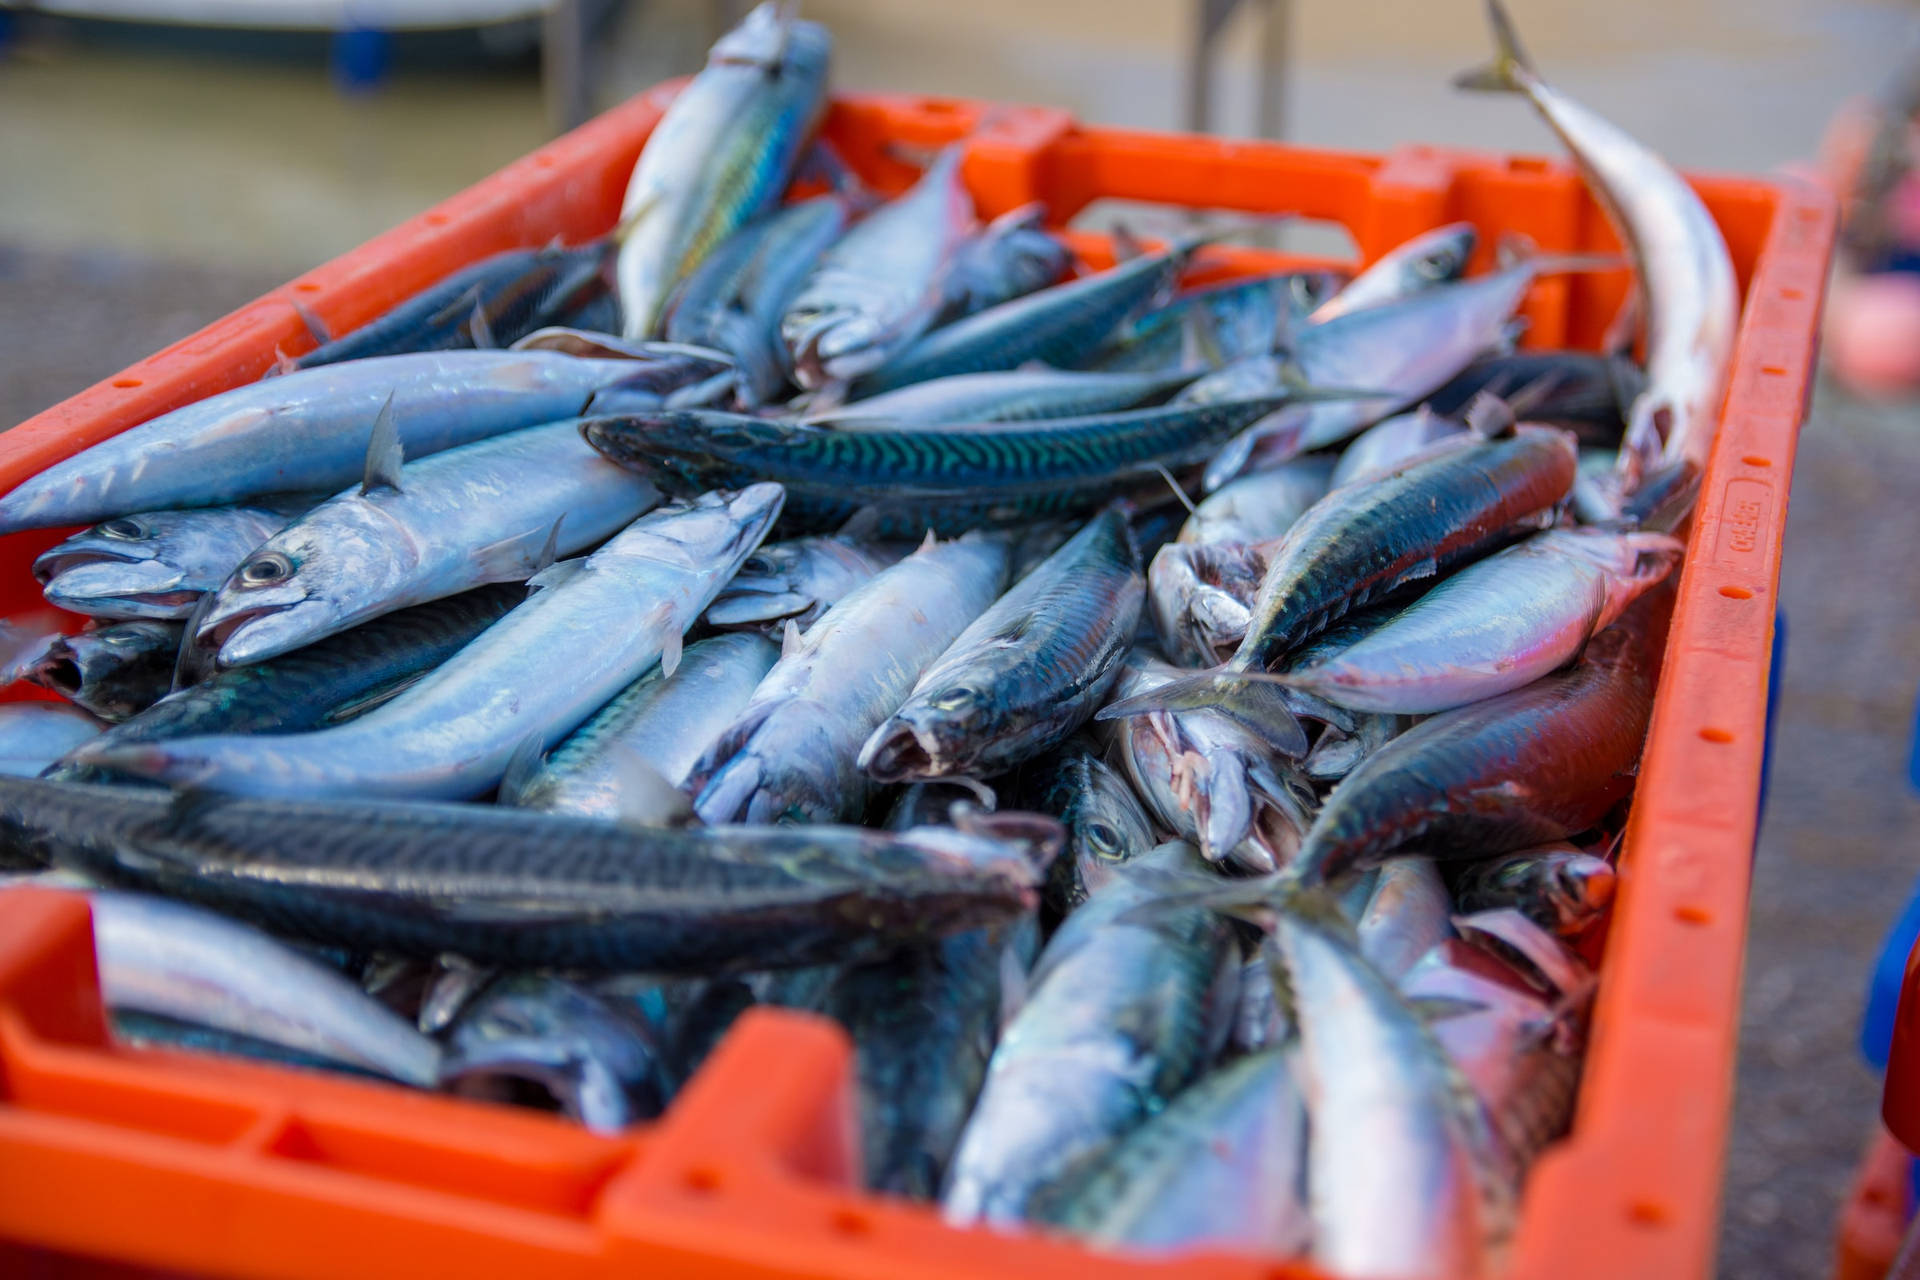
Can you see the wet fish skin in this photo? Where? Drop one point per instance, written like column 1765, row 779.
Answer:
column 1007, row 395
column 601, row 1064
column 33, row 735
column 791, row 753
column 1025, row 674
column 1408, row 914
column 165, row 958
column 664, row 722
column 799, row 580
column 1245, row 315
column 1121, row 1014
column 452, row 734
column 1202, row 597
column 114, row 671
column 1496, row 625
column 1260, row 505
column 324, row 683
column 308, row 431
column 484, row 512
column 1106, row 825
column 1582, row 391
column 1337, row 753
column 882, row 284
column 1559, row 887
column 1517, row 770
column 1222, row 1167
column 514, row 889
column 1431, row 258
column 721, row 154
column 1390, row 444
column 155, row 564
column 1011, row 256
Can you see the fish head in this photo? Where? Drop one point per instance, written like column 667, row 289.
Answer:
column 1580, row 887
column 836, row 346
column 1439, row 256
column 930, row 736
column 308, row 581
column 83, row 665
column 791, row 579
column 1106, row 827
column 125, row 567
column 1201, row 596
column 684, row 452
column 710, row 534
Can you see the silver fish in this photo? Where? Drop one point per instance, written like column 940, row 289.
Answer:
column 1386, row 445
column 662, row 722
column 1433, row 257
column 791, row 753
column 1559, row 887
column 1010, row 256
column 1106, row 825
column 1202, row 597
column 1258, row 506
column 115, row 671
column 485, row 512
column 168, row 959
column 33, row 735
column 1496, row 625
column 881, row 285
column 798, row 580
column 1008, row 395
column 1337, row 752
column 156, row 564
column 722, row 153
column 1406, row 916
column 308, row 430
column 534, row 675
column 1122, row 1013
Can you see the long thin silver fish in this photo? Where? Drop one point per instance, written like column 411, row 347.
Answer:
column 1433, row 257
column 1006, row 395
column 722, row 153
column 534, row 675
column 485, row 512
column 1386, row 445
column 155, row 564
column 1258, row 506
column 799, row 579
column 791, row 754
column 309, row 431
column 1692, row 303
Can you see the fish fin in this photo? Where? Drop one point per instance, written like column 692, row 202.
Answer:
column 315, row 326
column 479, row 332
column 823, row 164
column 706, row 392
column 1627, row 380
column 523, row 766
column 1431, row 1009
column 861, row 525
column 354, row 707
column 829, row 395
column 1250, row 898
column 927, row 543
column 1663, row 497
column 1174, row 485
column 1126, row 245
column 1511, row 69
column 550, row 549
column 191, row 803
column 282, row 363
column 1531, row 396
column 648, row 799
column 385, row 455
column 1253, row 701
column 555, row 574
column 467, row 300
column 671, row 646
column 1490, row 417
column 790, row 639
column 506, row 560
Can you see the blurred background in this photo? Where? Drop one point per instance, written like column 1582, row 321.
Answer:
column 154, row 176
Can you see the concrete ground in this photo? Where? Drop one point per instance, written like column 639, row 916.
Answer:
column 148, row 191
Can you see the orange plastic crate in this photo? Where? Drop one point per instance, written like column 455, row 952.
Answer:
column 184, row 1163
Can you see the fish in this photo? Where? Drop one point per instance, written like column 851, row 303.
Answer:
column 1337, row 753
column 599, row 1062
column 1431, row 258
column 1682, row 268
column 1240, row 318
column 515, row 889
column 1212, row 779
column 1201, row 597
column 1025, row 674
column 798, row 580
column 1496, row 625
column 923, row 1024
column 169, row 960
column 734, row 300
column 947, row 479
column 790, row 755
column 452, row 735
column 496, row 510
column 1387, row 445
column 155, row 564
column 309, row 431
column 1058, row 326
column 1560, row 887
column 1407, row 915
column 1405, row 1185
column 1006, row 395
column 723, row 151
column 326, row 683
column 661, row 723
column 1106, row 825
column 34, row 735
column 1012, row 255
column 114, row 671
column 1540, row 763
column 1260, row 505
column 1222, row 1167
column 1121, row 1014
column 491, row 303
column 1585, row 392
column 883, row 284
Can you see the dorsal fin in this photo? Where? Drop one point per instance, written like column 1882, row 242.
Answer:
column 861, row 525
column 555, row 574
column 384, row 454
column 790, row 639
column 550, row 549
column 1490, row 417
column 647, row 797
column 479, row 331
column 928, row 543
column 670, row 648
column 523, row 766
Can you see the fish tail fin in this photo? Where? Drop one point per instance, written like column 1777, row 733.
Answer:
column 1511, row 68
column 1255, row 700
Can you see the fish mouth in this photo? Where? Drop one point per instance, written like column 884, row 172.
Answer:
column 52, row 563
column 115, row 585
column 254, row 633
column 901, row 752
column 61, row 670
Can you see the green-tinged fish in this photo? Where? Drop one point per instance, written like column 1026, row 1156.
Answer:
column 598, row 1061
column 170, row 960
column 517, row 889
column 1013, row 395
column 156, row 564
column 1026, row 673
column 791, row 753
column 1124, row 1010
column 948, row 479
column 1239, row 318
column 1432, row 258
column 1106, row 825
column 654, row 732
column 721, row 155
column 797, row 580
column 325, row 683
column 533, row 676
column 1538, row 764
column 923, row 1024
column 1561, row 888
column 114, row 671
column 883, row 284
column 1223, row 1167
column 494, row 511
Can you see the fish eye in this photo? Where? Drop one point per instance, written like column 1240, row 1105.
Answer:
column 1103, row 839
column 757, row 564
column 265, row 570
column 954, row 698
column 125, row 529
column 1434, row 266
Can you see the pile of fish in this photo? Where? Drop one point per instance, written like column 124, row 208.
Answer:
column 1179, row 733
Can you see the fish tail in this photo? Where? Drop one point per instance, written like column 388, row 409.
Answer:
column 1511, row 69
column 1256, row 701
